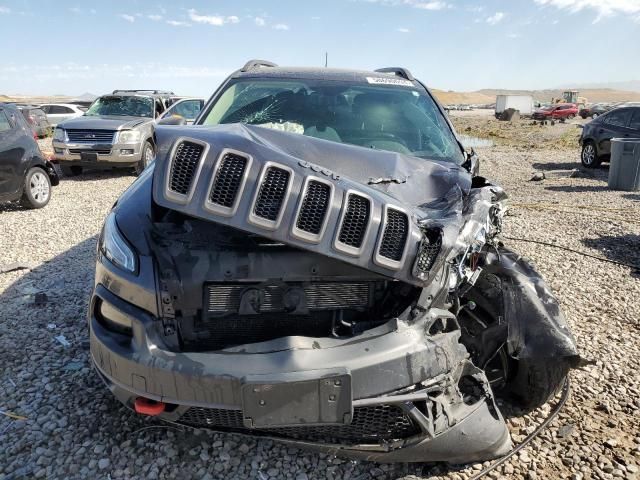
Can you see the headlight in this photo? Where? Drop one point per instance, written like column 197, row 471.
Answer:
column 115, row 247
column 59, row 134
column 129, row 136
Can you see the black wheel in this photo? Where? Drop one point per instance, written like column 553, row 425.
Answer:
column 535, row 382
column 72, row 171
column 148, row 153
column 37, row 188
column 589, row 155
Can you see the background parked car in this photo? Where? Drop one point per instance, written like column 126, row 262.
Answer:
column 25, row 174
column 556, row 112
column 59, row 112
column 37, row 120
column 187, row 108
column 595, row 110
column 597, row 134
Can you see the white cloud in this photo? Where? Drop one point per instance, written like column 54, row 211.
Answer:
column 603, row 8
column 421, row 4
column 281, row 26
column 154, row 17
column 403, row 30
column 177, row 23
column 215, row 20
column 260, row 21
column 495, row 18
column 128, row 18
column 4, row 10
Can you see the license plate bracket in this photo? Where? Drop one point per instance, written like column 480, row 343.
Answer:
column 297, row 399
column 88, row 157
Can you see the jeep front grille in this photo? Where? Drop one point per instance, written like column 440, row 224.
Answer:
column 228, row 180
column 394, row 236
column 224, row 298
column 370, row 424
column 355, row 221
column 314, row 207
column 272, row 193
column 90, row 136
column 184, row 165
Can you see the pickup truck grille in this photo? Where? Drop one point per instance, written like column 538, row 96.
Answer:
column 90, row 136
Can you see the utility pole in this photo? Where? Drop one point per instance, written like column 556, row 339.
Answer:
column 326, row 59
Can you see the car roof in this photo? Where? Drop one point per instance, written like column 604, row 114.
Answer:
column 60, row 104
column 313, row 73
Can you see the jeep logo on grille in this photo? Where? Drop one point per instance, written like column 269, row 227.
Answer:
column 89, row 135
column 318, row 169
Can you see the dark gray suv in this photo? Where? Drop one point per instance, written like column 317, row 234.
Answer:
column 317, row 261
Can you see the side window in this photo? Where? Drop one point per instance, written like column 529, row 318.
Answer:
column 187, row 109
column 5, row 125
column 618, row 118
column 635, row 119
column 46, row 108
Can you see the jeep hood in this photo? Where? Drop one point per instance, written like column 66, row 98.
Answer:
column 406, row 195
column 104, row 122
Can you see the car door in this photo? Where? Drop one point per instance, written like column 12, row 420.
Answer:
column 187, row 109
column 634, row 123
column 11, row 153
column 611, row 125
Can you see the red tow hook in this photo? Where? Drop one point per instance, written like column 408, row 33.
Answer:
column 149, row 407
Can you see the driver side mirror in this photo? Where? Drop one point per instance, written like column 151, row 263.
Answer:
column 472, row 164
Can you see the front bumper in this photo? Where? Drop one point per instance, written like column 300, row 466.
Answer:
column 402, row 381
column 122, row 154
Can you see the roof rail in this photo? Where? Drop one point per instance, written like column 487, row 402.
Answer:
column 251, row 64
column 153, row 92
column 399, row 71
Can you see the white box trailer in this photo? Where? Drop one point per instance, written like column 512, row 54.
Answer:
column 521, row 103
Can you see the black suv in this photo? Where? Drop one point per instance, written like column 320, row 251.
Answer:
column 316, row 261
column 597, row 134
column 25, row 174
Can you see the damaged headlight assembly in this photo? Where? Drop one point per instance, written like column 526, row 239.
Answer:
column 115, row 247
column 59, row 134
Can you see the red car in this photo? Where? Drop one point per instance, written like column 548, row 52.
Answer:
column 556, row 112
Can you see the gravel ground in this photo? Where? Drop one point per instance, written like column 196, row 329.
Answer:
column 75, row 429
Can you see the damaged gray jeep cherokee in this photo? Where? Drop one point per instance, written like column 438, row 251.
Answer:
column 316, row 260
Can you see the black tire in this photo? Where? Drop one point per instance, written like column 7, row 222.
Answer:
column 148, row 153
column 535, row 382
column 72, row 171
column 589, row 155
column 37, row 188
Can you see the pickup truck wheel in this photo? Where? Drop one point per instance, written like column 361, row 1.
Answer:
column 37, row 188
column 148, row 153
column 589, row 155
column 73, row 171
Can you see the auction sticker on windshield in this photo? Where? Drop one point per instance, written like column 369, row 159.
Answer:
column 389, row 81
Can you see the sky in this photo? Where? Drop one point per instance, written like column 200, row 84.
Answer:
column 189, row 46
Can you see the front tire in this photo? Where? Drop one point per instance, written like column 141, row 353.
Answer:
column 37, row 188
column 148, row 154
column 589, row 155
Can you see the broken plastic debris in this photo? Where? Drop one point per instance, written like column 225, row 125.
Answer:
column 51, row 326
column 63, row 341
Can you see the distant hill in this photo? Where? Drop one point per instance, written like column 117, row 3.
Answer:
column 489, row 95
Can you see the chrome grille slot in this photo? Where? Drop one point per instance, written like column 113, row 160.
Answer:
column 183, row 167
column 313, row 210
column 90, row 136
column 355, row 221
column 228, row 180
column 271, row 195
column 394, row 236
